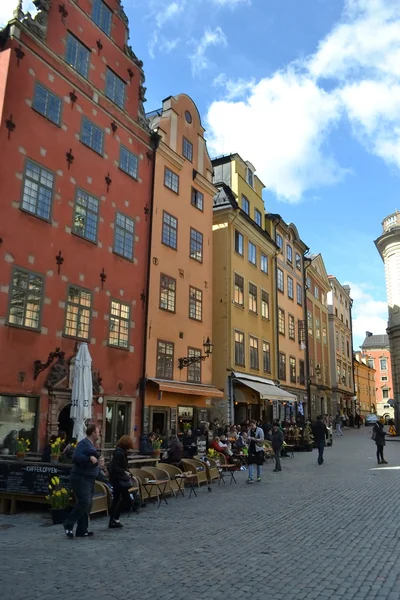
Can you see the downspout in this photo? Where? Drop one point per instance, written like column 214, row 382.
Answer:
column 154, row 142
column 307, row 361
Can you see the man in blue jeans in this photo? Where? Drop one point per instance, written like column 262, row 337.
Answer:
column 83, row 474
column 320, row 433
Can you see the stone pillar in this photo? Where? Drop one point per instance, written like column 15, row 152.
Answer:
column 394, row 342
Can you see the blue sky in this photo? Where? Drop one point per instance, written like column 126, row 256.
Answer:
column 309, row 92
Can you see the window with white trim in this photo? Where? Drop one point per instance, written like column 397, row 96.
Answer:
column 171, row 180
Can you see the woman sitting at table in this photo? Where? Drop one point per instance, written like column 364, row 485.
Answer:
column 219, row 445
column 175, row 451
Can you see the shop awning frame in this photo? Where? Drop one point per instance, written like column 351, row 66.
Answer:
column 268, row 391
column 180, row 387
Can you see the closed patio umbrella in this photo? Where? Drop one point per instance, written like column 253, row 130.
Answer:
column 82, row 391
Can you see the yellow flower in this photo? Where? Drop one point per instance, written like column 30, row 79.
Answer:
column 64, row 491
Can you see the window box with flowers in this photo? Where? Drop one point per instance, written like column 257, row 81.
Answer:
column 23, row 447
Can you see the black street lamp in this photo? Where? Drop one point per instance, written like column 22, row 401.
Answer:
column 186, row 361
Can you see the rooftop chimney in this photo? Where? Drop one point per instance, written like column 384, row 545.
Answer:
column 368, row 334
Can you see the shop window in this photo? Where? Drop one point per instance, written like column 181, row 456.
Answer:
column 18, row 416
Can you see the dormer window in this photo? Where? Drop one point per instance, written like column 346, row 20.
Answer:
column 250, row 177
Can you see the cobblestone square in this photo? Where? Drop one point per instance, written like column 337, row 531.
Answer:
column 329, row 532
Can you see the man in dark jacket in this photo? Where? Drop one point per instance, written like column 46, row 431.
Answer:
column 277, row 443
column 320, row 433
column 83, row 474
column 146, row 445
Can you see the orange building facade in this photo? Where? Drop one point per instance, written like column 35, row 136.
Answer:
column 178, row 392
column 76, row 189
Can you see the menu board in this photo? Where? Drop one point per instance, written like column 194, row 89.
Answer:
column 31, row 478
column 201, row 446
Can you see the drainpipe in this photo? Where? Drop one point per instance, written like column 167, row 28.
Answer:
column 307, row 361
column 154, row 142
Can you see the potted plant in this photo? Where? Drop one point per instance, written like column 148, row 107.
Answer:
column 157, row 447
column 55, row 450
column 58, row 498
column 23, row 446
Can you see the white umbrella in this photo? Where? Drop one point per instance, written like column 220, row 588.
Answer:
column 82, row 392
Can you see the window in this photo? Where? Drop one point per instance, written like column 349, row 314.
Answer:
column 124, row 236
column 289, row 253
column 165, row 360
column 280, row 280
column 317, row 329
column 279, row 240
column 385, row 394
column 239, row 290
column 245, row 205
column 250, row 177
column 195, row 304
column 252, row 298
column 309, row 323
column 194, row 370
column 298, row 261
column 342, row 344
column 282, row 366
column 257, row 217
column 384, row 378
column 290, row 292
column 167, row 293
column 348, row 348
column 128, row 162
column 197, row 199
column 239, row 348
column 266, row 349
column 77, row 316
column 119, row 324
column 292, row 369
column 264, row 304
column 253, row 341
column 281, row 321
column 77, row 55
column 264, row 263
column 338, row 370
column 301, row 326
column 102, row 16
column 171, row 180
column 196, row 245
column 324, row 334
column 337, row 341
column 187, row 149
column 115, row 88
column 239, row 242
column 252, row 254
column 169, row 235
column 92, row 136
column 47, row 104
column 316, row 292
column 299, row 292
column 37, row 192
column 25, row 299
column 291, row 327
column 302, row 376
column 371, row 363
column 86, row 215
column 308, row 283
column 383, row 363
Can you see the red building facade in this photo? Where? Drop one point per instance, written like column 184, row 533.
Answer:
column 75, row 180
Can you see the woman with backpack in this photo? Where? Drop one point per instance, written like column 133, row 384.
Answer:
column 378, row 435
column 120, row 479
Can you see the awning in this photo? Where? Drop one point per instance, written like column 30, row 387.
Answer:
column 176, row 387
column 268, row 391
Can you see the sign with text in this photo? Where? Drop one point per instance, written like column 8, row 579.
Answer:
column 31, row 478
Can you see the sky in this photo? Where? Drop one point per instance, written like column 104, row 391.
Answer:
column 309, row 92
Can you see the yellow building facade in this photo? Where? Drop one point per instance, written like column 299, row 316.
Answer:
column 244, row 307
column 364, row 384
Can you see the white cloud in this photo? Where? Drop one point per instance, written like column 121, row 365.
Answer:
column 210, row 37
column 230, row 3
column 290, row 116
column 369, row 314
column 7, row 8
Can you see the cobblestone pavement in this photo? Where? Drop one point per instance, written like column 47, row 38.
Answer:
column 329, row 531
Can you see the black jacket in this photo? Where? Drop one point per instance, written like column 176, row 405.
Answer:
column 118, row 466
column 175, row 452
column 320, row 432
column 379, row 434
column 146, row 446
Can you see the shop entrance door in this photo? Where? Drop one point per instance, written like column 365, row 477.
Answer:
column 159, row 422
column 117, row 422
column 65, row 423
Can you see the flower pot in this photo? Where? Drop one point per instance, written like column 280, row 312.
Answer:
column 59, row 515
column 54, row 458
column 21, row 456
column 156, row 453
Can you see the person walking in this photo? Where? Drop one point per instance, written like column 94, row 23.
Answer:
column 277, row 443
column 83, row 474
column 320, row 433
column 338, row 425
column 256, row 451
column 378, row 434
column 120, row 479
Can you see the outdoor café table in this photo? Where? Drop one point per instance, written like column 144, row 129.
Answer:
column 228, row 469
column 189, row 477
column 161, row 485
column 242, row 458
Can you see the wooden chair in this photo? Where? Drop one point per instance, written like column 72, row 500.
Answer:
column 101, row 498
column 141, row 475
column 198, row 468
column 161, row 474
column 171, row 471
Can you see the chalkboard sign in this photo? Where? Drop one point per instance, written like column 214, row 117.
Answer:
column 201, row 446
column 146, row 417
column 173, row 420
column 31, row 478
